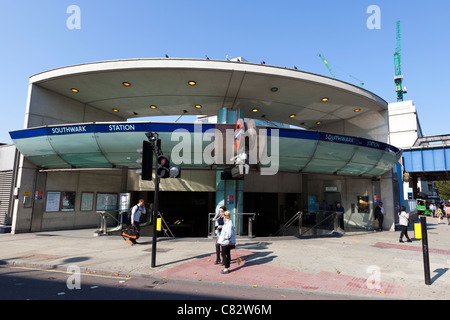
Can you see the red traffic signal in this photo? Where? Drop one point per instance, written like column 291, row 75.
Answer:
column 163, row 167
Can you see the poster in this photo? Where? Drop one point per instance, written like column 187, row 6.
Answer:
column 363, row 204
column 87, row 201
column 124, row 204
column 38, row 195
column 53, row 201
column 106, row 201
column 68, row 201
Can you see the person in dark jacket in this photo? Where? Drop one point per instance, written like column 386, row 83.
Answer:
column 219, row 219
column 379, row 215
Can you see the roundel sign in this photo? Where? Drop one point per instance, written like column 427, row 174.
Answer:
column 238, row 133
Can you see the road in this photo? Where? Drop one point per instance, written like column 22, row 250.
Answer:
column 22, row 283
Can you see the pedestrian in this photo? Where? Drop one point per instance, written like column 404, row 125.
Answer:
column 136, row 215
column 220, row 221
column 439, row 214
column 447, row 212
column 404, row 222
column 227, row 240
column 379, row 215
column 340, row 214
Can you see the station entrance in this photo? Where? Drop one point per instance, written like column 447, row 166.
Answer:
column 184, row 212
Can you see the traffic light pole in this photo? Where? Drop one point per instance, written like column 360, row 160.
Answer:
column 155, row 217
column 163, row 170
column 157, row 151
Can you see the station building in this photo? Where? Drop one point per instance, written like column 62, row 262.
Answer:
column 78, row 148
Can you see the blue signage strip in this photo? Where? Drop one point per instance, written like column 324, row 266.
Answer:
column 191, row 127
column 51, row 131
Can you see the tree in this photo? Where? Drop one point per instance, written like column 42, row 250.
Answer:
column 443, row 189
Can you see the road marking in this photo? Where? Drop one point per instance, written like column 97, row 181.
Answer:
column 61, row 271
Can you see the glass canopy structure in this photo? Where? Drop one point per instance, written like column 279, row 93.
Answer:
column 114, row 145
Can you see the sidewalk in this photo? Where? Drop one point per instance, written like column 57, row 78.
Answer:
column 372, row 265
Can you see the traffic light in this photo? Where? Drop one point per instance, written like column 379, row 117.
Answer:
column 175, row 172
column 163, row 167
column 164, row 170
column 146, row 161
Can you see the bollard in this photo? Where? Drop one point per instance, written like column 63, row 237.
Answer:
column 426, row 257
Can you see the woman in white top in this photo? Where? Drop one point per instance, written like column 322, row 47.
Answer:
column 404, row 221
column 227, row 239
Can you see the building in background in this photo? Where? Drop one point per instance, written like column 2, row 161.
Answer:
column 78, row 148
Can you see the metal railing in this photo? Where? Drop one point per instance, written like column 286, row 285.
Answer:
column 311, row 223
column 239, row 224
column 120, row 218
column 296, row 217
column 325, row 222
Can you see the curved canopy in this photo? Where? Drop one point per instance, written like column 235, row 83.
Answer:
column 161, row 87
column 99, row 145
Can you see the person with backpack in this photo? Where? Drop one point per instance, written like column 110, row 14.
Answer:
column 134, row 215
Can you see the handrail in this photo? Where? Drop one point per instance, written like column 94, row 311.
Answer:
column 104, row 214
column 298, row 215
column 252, row 217
column 333, row 214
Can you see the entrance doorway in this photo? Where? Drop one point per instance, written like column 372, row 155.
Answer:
column 186, row 213
column 332, row 198
column 266, row 206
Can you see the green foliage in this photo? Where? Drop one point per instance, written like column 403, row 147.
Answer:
column 443, row 188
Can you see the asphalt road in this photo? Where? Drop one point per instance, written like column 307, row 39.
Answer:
column 22, row 283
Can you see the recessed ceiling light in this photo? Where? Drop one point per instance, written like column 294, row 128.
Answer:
column 115, row 110
column 126, row 84
column 292, row 116
column 255, row 110
column 198, row 106
column 274, row 89
column 325, row 99
column 74, row 90
column 357, row 110
column 192, row 83
column 319, row 122
column 153, row 107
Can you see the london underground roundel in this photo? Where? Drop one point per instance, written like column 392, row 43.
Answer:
column 238, row 133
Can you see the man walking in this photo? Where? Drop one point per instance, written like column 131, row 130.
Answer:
column 379, row 215
column 340, row 214
column 136, row 214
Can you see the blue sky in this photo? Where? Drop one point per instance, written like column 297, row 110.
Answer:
column 35, row 38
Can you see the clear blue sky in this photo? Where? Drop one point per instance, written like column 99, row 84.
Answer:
column 35, row 38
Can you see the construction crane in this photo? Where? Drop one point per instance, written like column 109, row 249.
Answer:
column 361, row 83
column 398, row 79
column 328, row 65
